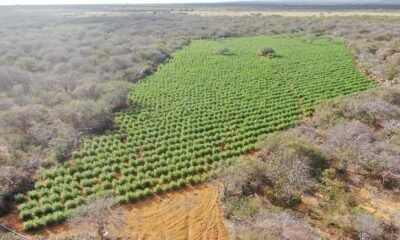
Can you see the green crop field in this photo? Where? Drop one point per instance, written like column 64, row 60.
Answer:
column 199, row 110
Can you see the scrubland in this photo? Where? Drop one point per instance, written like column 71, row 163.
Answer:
column 64, row 76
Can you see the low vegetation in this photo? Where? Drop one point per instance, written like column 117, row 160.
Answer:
column 313, row 176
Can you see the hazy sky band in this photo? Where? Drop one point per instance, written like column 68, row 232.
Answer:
column 64, row 2
column 50, row 2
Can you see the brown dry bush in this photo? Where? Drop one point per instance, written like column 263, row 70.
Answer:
column 98, row 217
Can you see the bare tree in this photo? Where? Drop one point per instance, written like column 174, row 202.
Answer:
column 267, row 52
column 223, row 51
column 368, row 226
column 99, row 216
column 292, row 162
column 269, row 224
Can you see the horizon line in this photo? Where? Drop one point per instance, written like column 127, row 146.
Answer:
column 289, row 2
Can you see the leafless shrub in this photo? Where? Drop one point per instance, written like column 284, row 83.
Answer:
column 85, row 91
column 114, row 94
column 394, row 59
column 384, row 52
column 372, row 108
column 368, row 226
column 292, row 163
column 87, row 116
column 77, row 236
column 121, row 62
column 11, row 76
column 267, row 52
column 99, row 216
column 153, row 55
column 276, row 225
column 14, row 180
column 349, row 134
column 59, row 137
column 31, row 64
column 24, row 117
column 243, row 178
column 381, row 36
column 57, row 57
column 371, row 111
column 6, row 103
column 223, row 51
column 355, row 145
column 308, row 132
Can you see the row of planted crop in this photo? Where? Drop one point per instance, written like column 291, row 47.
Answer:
column 39, row 214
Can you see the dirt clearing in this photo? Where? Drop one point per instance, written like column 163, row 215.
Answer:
column 186, row 214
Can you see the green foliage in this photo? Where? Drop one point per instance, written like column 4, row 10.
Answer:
column 19, row 198
column 242, row 208
column 332, row 188
column 199, row 110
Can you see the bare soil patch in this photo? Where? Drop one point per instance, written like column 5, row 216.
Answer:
column 185, row 214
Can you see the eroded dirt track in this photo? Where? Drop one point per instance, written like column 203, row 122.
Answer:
column 186, row 214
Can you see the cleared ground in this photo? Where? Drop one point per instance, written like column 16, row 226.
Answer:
column 193, row 214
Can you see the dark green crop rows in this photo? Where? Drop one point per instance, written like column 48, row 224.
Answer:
column 199, row 110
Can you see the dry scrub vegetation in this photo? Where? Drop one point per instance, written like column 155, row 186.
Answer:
column 312, row 177
column 62, row 77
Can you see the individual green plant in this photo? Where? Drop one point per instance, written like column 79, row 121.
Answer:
column 19, row 198
column 70, row 204
column 37, row 211
column 47, row 208
column 26, row 214
column 158, row 189
column 57, row 206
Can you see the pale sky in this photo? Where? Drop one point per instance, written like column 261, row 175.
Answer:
column 46, row 2
column 51, row 2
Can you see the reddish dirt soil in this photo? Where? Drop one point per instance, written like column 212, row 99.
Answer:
column 193, row 214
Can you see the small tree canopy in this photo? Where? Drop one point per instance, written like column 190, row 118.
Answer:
column 223, row 51
column 267, row 52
